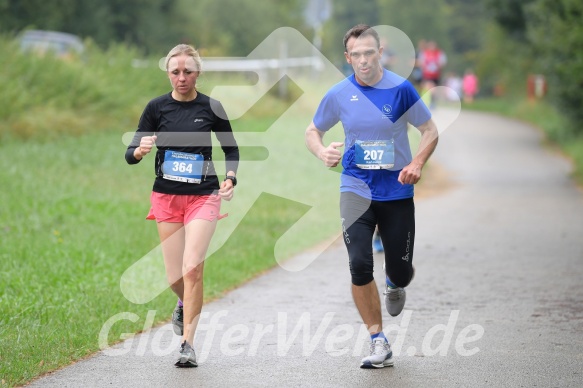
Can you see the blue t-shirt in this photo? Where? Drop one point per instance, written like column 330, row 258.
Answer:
column 379, row 112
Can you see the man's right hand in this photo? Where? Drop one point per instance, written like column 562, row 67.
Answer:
column 330, row 155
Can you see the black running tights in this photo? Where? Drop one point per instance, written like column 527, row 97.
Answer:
column 396, row 223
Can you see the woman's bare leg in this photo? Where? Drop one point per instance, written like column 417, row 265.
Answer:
column 172, row 238
column 198, row 234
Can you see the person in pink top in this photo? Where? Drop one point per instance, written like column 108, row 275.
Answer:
column 470, row 86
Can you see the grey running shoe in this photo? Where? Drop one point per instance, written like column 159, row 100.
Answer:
column 395, row 297
column 381, row 355
column 395, row 300
column 187, row 357
column 178, row 320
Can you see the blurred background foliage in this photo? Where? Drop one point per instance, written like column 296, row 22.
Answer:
column 103, row 92
column 503, row 40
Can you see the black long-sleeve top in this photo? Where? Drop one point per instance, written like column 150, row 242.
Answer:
column 186, row 127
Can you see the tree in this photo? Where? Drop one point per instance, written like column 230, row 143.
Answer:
column 419, row 19
column 346, row 14
column 510, row 15
column 556, row 34
column 151, row 26
column 18, row 14
column 236, row 27
column 466, row 22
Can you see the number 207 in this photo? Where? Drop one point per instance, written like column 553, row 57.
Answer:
column 373, row 154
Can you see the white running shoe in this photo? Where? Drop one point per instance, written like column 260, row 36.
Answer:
column 381, row 355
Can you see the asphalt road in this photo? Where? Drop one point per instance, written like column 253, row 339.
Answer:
column 497, row 299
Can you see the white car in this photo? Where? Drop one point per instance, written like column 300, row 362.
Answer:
column 61, row 44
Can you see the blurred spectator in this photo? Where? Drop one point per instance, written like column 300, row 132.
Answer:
column 470, row 86
column 417, row 73
column 388, row 56
column 454, row 85
column 432, row 60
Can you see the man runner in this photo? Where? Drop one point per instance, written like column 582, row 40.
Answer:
column 375, row 107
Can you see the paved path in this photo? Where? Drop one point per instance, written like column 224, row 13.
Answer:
column 497, row 299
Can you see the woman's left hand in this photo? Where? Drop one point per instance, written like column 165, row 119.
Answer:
column 227, row 189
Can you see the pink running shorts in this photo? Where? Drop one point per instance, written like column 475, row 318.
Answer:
column 184, row 208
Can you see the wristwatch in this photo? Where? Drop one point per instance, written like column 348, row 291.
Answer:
column 233, row 179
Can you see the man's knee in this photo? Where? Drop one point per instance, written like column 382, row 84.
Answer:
column 400, row 278
column 361, row 273
column 362, row 279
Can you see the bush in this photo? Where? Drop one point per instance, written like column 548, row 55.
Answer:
column 45, row 97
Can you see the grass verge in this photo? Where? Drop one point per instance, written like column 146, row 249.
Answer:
column 72, row 215
column 72, row 221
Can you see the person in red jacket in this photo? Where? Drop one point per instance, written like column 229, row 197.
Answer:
column 432, row 60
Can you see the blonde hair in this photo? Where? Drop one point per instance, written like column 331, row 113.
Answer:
column 185, row 49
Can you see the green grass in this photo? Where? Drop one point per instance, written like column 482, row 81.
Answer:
column 72, row 219
column 72, row 222
column 543, row 115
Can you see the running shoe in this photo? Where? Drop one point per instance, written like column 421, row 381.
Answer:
column 395, row 296
column 187, row 357
column 178, row 320
column 381, row 355
column 395, row 300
